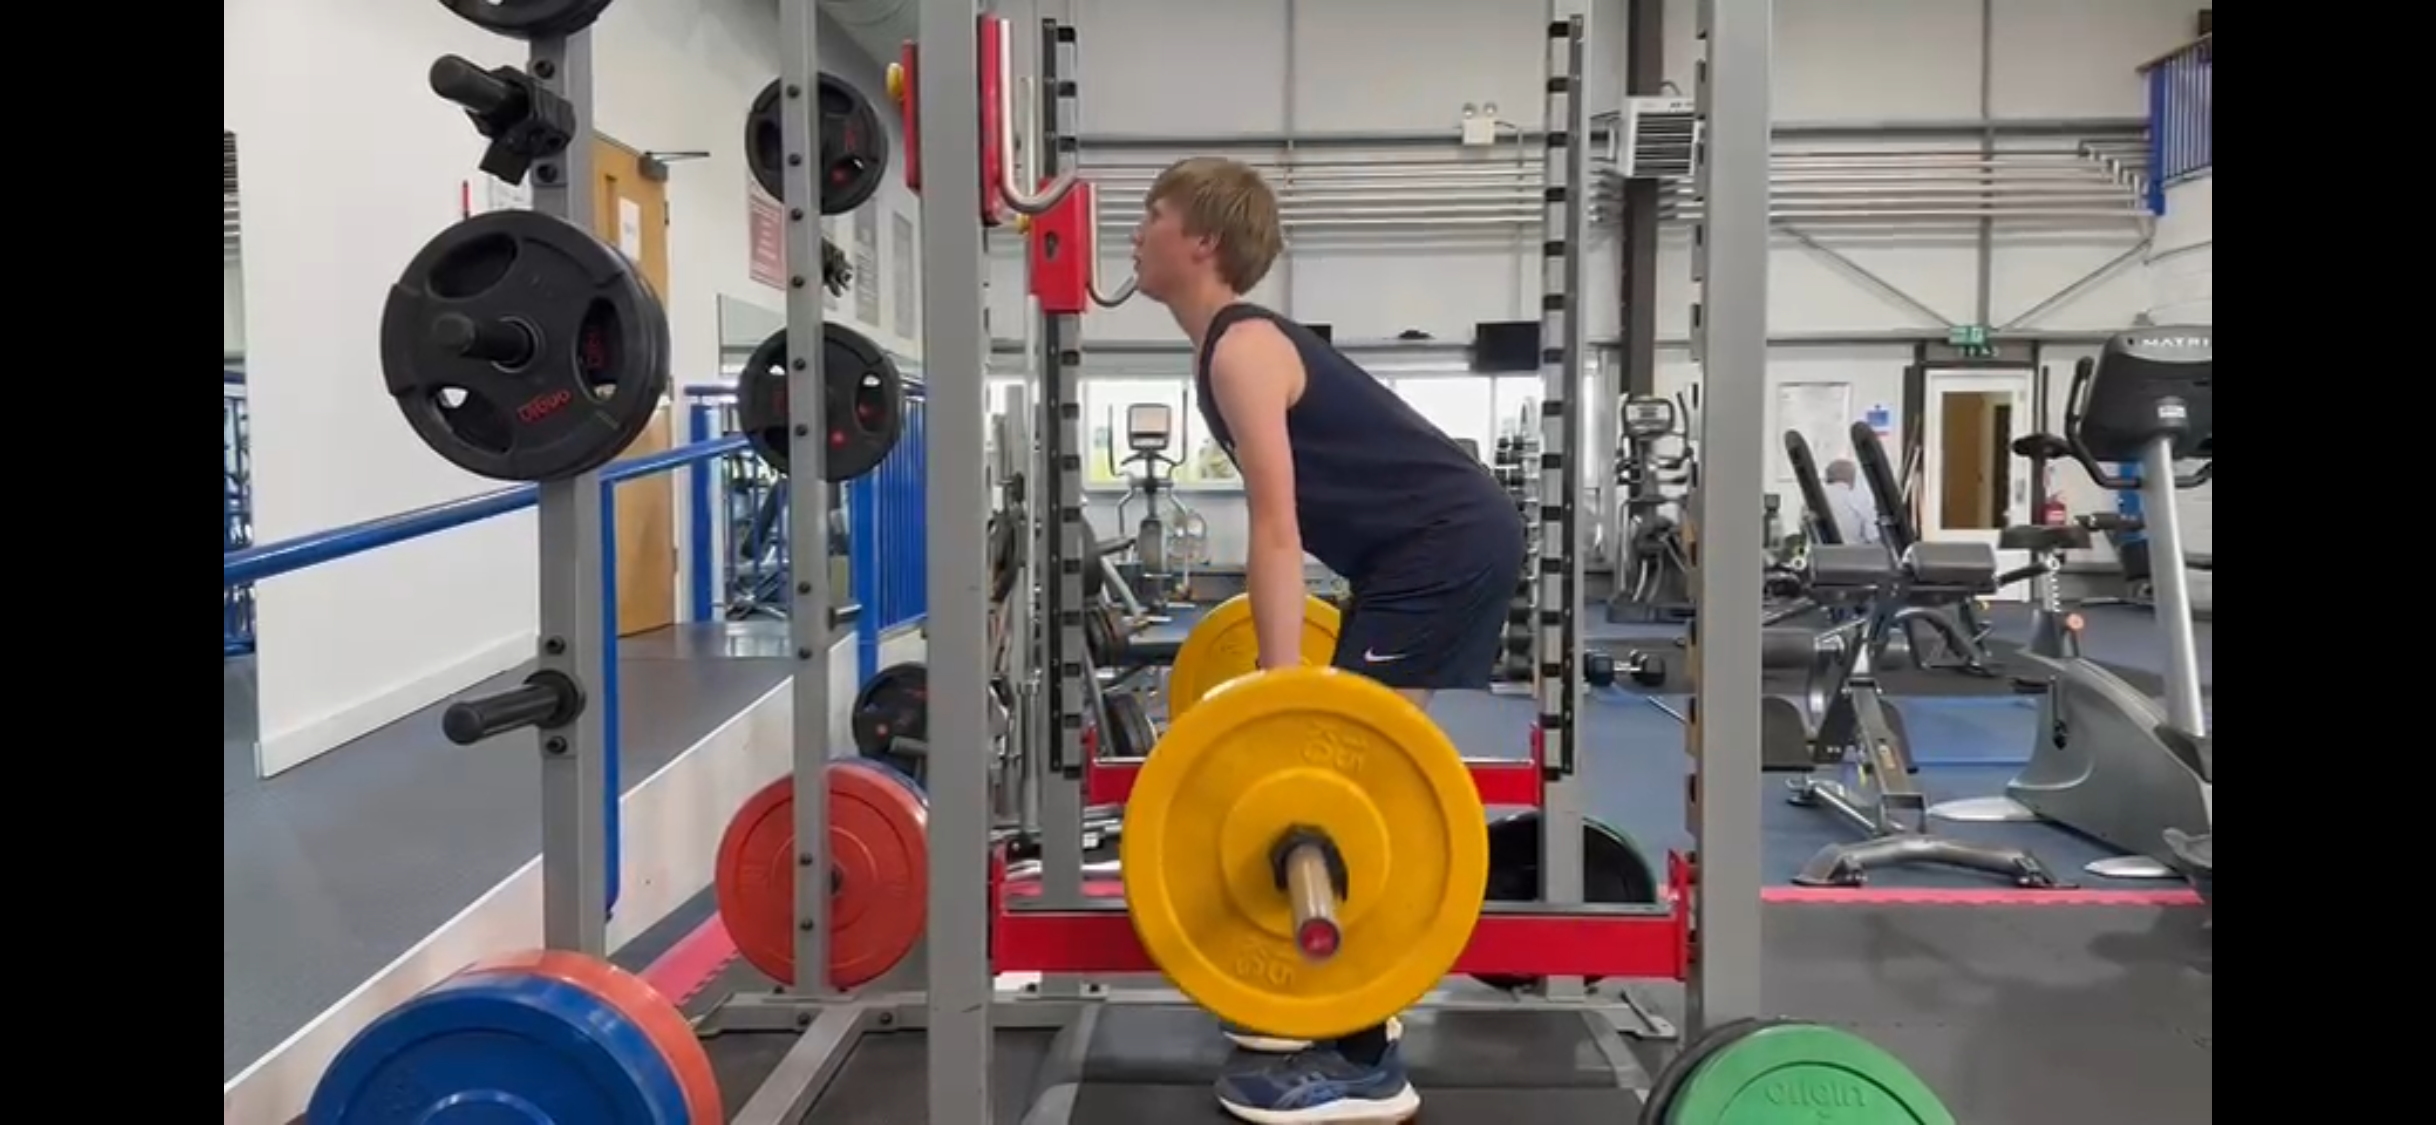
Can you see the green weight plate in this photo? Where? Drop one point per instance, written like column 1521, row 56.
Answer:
column 1662, row 1095
column 1802, row 1074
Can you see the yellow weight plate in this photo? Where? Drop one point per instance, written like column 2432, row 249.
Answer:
column 1222, row 646
column 1304, row 747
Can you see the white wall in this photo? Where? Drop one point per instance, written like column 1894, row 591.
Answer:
column 349, row 187
column 1174, row 67
column 232, row 308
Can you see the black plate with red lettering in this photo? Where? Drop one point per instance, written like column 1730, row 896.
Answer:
column 522, row 348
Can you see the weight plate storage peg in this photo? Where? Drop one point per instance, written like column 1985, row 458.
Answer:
column 521, row 348
column 1757, row 1072
column 863, row 402
column 879, row 874
column 1257, row 853
column 548, row 1041
column 852, row 150
column 1222, row 646
column 529, row 19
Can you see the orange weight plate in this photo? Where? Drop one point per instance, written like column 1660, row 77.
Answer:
column 879, row 875
column 642, row 1004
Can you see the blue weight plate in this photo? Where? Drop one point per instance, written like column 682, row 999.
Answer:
column 889, row 769
column 500, row 1049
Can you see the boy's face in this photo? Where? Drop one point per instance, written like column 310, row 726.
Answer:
column 1165, row 255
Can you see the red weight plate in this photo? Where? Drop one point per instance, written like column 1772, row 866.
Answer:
column 642, row 1004
column 879, row 856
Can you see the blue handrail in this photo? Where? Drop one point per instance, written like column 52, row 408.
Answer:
column 2181, row 116
column 270, row 560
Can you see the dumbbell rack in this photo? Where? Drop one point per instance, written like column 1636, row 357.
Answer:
column 1514, row 452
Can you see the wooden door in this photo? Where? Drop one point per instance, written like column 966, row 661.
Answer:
column 631, row 213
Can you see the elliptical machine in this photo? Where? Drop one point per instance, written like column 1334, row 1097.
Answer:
column 1653, row 573
column 2108, row 761
column 1149, row 431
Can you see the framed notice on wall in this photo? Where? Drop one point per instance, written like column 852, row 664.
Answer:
column 867, row 265
column 901, row 276
column 766, row 230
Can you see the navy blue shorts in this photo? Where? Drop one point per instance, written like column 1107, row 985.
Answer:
column 1438, row 624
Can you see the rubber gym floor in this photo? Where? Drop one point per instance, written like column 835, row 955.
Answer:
column 2018, row 1007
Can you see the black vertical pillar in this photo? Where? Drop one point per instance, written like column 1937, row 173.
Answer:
column 1644, row 75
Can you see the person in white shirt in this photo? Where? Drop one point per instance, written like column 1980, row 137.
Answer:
column 1855, row 510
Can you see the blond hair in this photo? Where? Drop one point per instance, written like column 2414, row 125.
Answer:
column 1228, row 201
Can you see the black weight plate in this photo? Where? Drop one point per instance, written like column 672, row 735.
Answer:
column 1103, row 636
column 1662, row 1093
column 1130, row 733
column 580, row 341
column 894, row 704
column 529, row 19
column 765, row 142
column 1006, row 553
column 1613, row 870
column 864, row 403
column 853, row 148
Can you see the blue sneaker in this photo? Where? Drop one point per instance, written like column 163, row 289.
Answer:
column 1261, row 1042
column 1321, row 1086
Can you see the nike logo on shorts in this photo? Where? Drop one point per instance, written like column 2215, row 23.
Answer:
column 1371, row 656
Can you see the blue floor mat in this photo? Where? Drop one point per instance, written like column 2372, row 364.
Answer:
column 1634, row 761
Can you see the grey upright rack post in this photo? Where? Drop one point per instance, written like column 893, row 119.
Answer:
column 1730, row 342
column 807, row 498
column 955, row 357
column 575, row 642
column 1558, row 585
column 1057, row 341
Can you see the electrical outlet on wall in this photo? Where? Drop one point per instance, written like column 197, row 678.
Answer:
column 1479, row 124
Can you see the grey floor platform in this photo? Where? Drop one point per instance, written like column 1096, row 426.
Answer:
column 2014, row 1015
column 331, row 870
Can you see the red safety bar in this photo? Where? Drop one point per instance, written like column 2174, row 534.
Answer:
column 1583, row 945
column 909, row 109
column 990, row 71
column 994, row 78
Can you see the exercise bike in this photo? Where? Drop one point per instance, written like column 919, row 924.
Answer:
column 2109, row 762
column 1149, row 431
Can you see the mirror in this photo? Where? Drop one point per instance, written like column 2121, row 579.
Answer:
column 237, row 713
column 756, row 498
column 743, row 325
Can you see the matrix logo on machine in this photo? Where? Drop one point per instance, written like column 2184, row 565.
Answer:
column 2169, row 343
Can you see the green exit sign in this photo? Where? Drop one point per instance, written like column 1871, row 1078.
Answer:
column 1967, row 336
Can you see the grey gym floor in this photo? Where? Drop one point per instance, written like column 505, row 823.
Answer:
column 333, row 869
column 2025, row 1015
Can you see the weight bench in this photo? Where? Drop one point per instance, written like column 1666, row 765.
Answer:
column 1841, row 579
column 1861, row 732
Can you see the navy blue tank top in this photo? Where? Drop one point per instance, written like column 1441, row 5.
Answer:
column 1376, row 486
